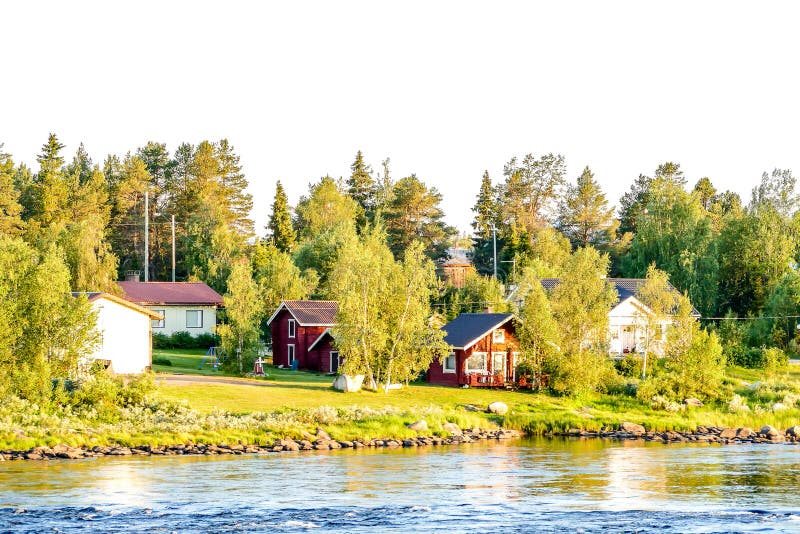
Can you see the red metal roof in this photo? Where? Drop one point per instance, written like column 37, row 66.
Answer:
column 176, row 293
column 311, row 312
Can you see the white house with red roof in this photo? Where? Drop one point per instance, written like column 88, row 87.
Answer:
column 125, row 345
column 184, row 306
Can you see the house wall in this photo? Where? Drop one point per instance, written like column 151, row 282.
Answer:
column 306, row 335
column 319, row 359
column 125, row 337
column 175, row 319
column 629, row 315
column 437, row 374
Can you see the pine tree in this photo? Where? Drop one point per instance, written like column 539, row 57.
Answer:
column 486, row 211
column 234, row 186
column 585, row 217
column 280, row 227
column 11, row 222
column 50, row 194
column 362, row 188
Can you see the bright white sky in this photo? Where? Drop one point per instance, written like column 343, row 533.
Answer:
column 444, row 89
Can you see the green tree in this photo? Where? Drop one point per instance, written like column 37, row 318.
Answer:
column 278, row 278
column 530, row 191
column 11, row 223
column 44, row 330
column 585, row 217
column 362, row 188
column 325, row 207
column 280, row 228
column 321, row 253
column 382, row 328
column 706, row 193
column 580, row 304
column 537, row 331
column 50, row 190
column 243, row 313
column 486, row 217
column 677, row 235
column 414, row 214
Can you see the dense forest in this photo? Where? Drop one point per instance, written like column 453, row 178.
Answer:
column 736, row 261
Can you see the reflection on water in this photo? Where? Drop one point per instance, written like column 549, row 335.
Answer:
column 478, row 486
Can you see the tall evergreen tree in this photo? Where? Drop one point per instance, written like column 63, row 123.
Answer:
column 280, row 228
column 414, row 214
column 362, row 188
column 585, row 216
column 486, row 217
column 50, row 190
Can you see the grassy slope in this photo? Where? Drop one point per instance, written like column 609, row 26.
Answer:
column 535, row 413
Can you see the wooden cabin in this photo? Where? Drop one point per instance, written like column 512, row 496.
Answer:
column 301, row 335
column 484, row 351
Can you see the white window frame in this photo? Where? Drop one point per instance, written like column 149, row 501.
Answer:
column 475, row 355
column 499, row 336
column 445, row 368
column 199, row 316
column 290, row 356
column 159, row 323
column 338, row 363
column 292, row 329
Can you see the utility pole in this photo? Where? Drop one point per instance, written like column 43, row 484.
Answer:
column 146, row 236
column 494, row 249
column 173, row 248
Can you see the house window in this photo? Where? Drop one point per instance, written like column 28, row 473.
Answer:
column 290, row 353
column 159, row 323
column 476, row 363
column 499, row 362
column 194, row 318
column 450, row 363
column 499, row 336
column 292, row 328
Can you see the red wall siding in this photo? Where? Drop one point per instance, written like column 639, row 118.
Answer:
column 305, row 336
column 436, row 374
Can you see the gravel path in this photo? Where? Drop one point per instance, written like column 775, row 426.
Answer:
column 187, row 380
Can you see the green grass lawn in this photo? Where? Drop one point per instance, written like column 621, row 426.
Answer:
column 534, row 412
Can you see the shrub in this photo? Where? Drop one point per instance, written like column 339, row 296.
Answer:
column 773, row 360
column 630, row 366
column 162, row 341
column 161, row 360
column 206, row 340
column 182, row 340
column 743, row 356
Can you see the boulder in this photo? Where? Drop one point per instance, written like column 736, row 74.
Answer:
column 769, row 431
column 498, row 408
column 452, row 428
column 778, row 406
column 744, row 433
column 693, row 402
column 632, row 428
column 322, row 435
column 793, row 431
column 418, row 426
column 348, row 383
column 728, row 433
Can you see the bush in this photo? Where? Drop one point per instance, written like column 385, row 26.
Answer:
column 630, row 366
column 184, row 340
column 743, row 356
column 162, row 341
column 773, row 360
column 161, row 360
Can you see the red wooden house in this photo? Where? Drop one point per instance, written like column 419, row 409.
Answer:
column 484, row 351
column 301, row 333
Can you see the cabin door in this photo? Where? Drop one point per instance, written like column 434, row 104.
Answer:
column 334, row 361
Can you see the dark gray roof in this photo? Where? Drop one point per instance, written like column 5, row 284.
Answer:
column 626, row 287
column 466, row 329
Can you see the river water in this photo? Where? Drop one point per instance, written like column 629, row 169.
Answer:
column 519, row 486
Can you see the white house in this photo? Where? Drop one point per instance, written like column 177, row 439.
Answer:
column 125, row 343
column 184, row 306
column 628, row 321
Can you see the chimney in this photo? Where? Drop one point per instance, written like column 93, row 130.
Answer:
column 488, row 309
column 133, row 276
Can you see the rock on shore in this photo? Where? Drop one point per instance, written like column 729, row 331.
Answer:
column 321, row 442
column 767, row 434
